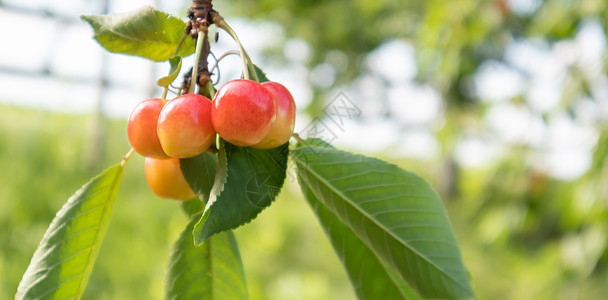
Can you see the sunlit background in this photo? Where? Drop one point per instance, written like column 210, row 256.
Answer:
column 501, row 104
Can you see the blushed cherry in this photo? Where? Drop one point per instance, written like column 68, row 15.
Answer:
column 184, row 126
column 141, row 128
column 243, row 112
column 282, row 129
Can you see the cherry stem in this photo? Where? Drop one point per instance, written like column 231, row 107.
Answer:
column 210, row 89
column 300, row 140
column 217, row 63
column 227, row 53
column 197, row 58
column 230, row 52
column 126, row 157
column 247, row 64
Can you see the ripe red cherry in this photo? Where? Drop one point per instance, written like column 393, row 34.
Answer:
column 243, row 112
column 141, row 128
column 286, row 117
column 184, row 126
column 166, row 180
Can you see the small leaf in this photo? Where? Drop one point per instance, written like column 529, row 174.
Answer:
column 61, row 265
column 261, row 75
column 394, row 212
column 176, row 66
column 147, row 32
column 370, row 278
column 246, row 182
column 213, row 271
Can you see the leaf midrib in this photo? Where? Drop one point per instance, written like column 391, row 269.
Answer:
column 352, row 204
column 343, row 240
column 127, row 37
column 89, row 265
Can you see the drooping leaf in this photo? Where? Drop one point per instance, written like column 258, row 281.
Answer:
column 246, row 182
column 61, row 265
column 394, row 212
column 212, row 271
column 176, row 65
column 147, row 32
column 199, row 172
column 370, row 278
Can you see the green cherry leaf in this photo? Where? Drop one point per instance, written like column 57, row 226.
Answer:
column 258, row 72
column 395, row 213
column 146, row 32
column 261, row 75
column 63, row 262
column 247, row 181
column 371, row 279
column 212, row 271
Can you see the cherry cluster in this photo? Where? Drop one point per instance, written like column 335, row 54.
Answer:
column 243, row 112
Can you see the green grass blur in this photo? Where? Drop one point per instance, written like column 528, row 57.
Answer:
column 44, row 161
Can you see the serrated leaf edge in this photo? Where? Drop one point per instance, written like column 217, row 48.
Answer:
column 217, row 189
column 198, row 240
column 320, row 178
column 342, row 257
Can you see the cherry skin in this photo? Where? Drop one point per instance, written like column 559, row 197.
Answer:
column 184, row 126
column 286, row 117
column 141, row 128
column 166, row 180
column 243, row 112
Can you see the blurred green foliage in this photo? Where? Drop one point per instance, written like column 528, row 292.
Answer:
column 452, row 37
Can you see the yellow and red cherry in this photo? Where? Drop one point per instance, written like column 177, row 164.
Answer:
column 286, row 117
column 166, row 180
column 141, row 128
column 184, row 126
column 243, row 112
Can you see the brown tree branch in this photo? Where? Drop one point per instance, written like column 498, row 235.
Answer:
column 200, row 17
